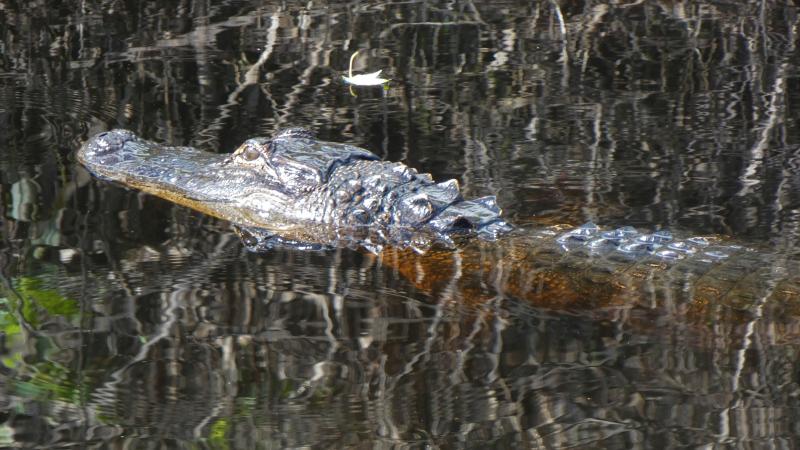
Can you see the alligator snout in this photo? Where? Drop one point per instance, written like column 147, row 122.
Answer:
column 109, row 142
column 108, row 149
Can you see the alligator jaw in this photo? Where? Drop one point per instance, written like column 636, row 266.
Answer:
column 186, row 176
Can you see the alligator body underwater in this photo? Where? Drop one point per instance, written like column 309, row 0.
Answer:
column 294, row 190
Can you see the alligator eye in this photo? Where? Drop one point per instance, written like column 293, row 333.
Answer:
column 251, row 154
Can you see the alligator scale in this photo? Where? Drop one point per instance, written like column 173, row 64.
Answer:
column 294, row 190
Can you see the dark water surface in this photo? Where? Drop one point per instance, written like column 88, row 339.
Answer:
column 128, row 322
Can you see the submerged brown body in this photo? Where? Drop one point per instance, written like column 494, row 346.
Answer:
column 727, row 295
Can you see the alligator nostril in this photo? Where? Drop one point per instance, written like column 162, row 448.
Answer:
column 108, row 142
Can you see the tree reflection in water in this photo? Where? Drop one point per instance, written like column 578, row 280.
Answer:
column 128, row 321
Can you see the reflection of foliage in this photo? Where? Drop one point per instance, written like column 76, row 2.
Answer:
column 9, row 325
column 52, row 381
column 34, row 303
column 6, row 436
column 37, row 300
column 218, row 436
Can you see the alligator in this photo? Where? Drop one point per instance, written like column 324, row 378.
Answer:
column 297, row 191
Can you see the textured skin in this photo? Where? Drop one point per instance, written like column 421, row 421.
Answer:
column 295, row 190
column 719, row 282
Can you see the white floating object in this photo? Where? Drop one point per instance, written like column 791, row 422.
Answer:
column 366, row 79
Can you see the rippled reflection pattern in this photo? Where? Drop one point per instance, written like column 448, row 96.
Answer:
column 128, row 322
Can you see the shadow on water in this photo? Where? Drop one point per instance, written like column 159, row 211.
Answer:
column 127, row 321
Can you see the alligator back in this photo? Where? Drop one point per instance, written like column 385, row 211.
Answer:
column 701, row 279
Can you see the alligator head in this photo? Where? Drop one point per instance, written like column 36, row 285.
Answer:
column 296, row 190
